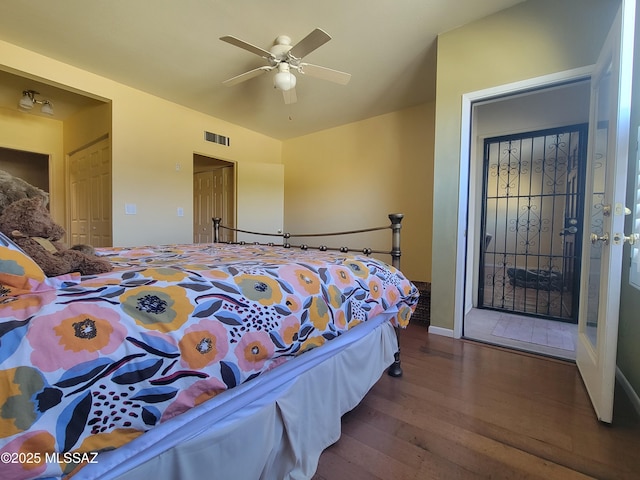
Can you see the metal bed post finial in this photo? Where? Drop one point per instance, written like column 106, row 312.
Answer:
column 396, row 225
column 216, row 229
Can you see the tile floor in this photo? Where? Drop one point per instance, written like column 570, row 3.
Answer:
column 547, row 337
column 500, row 293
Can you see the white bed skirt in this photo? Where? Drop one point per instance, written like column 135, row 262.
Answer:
column 271, row 429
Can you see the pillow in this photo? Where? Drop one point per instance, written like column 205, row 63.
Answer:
column 20, row 274
column 7, row 242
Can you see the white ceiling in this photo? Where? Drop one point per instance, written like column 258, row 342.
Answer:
column 171, row 49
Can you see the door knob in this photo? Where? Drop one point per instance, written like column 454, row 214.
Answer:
column 619, row 238
column 595, row 238
column 569, row 231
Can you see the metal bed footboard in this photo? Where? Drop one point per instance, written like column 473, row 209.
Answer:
column 395, row 370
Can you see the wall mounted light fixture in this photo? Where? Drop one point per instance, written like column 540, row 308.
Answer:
column 28, row 100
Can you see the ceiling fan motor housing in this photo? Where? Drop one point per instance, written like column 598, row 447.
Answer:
column 281, row 48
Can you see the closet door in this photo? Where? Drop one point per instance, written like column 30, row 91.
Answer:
column 90, row 195
column 203, row 207
column 213, row 197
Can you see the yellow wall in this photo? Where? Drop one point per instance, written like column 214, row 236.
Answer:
column 354, row 175
column 23, row 131
column 149, row 137
column 86, row 126
column 529, row 40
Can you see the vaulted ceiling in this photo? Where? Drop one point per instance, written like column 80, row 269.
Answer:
column 172, row 49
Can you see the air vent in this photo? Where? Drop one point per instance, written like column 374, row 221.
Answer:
column 217, row 138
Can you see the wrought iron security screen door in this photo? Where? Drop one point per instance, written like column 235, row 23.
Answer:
column 532, row 222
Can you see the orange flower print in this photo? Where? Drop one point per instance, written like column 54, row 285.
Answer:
column 341, row 319
column 23, row 306
column 165, row 274
column 213, row 274
column 260, row 288
column 253, row 349
column 157, row 308
column 203, row 344
column 196, row 394
column 107, row 441
column 293, row 303
column 38, row 441
column 392, row 295
column 13, row 262
column 319, row 313
column 404, row 314
column 375, row 288
column 341, row 276
column 41, row 442
column 289, row 329
column 76, row 334
column 19, row 391
column 302, row 279
column 335, row 296
column 311, row 343
column 354, row 322
column 358, row 268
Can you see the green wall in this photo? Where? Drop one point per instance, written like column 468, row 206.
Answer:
column 532, row 39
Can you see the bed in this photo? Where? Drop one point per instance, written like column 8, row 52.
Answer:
column 210, row 360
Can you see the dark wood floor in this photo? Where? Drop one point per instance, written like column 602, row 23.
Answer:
column 464, row 410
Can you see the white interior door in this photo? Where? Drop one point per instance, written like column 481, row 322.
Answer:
column 89, row 193
column 203, row 208
column 604, row 214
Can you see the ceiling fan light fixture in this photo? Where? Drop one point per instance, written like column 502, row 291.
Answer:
column 284, row 81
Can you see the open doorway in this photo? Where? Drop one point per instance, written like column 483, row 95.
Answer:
column 213, row 196
column 532, row 203
column 31, row 167
column 526, row 150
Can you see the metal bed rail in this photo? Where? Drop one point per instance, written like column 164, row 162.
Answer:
column 395, row 370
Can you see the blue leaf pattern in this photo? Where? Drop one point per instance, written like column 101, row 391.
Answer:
column 127, row 347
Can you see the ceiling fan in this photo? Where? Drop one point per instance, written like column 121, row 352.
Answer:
column 284, row 58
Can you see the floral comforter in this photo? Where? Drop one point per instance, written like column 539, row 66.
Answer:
column 96, row 362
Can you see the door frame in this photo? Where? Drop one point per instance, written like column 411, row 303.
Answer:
column 466, row 224
column 211, row 164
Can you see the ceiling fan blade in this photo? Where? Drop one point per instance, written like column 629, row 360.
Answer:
column 246, row 75
column 325, row 73
column 290, row 96
column 308, row 44
column 247, row 46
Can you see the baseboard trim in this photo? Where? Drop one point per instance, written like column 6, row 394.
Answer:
column 628, row 388
column 445, row 332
